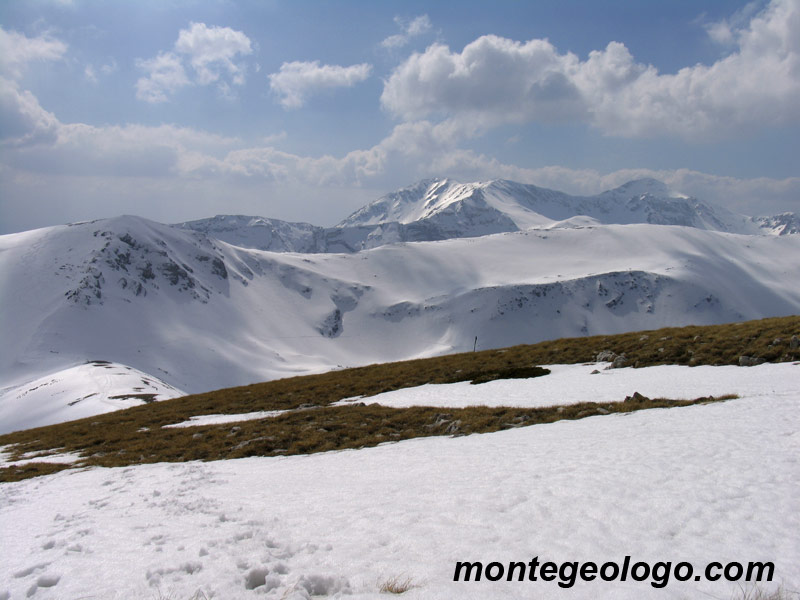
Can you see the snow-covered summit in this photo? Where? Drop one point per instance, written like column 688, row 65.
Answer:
column 646, row 186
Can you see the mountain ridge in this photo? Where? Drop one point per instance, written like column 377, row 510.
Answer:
column 442, row 208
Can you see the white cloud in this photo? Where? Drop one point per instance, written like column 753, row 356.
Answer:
column 212, row 53
column 18, row 50
column 296, row 81
column 496, row 80
column 409, row 29
column 212, row 50
column 165, row 75
column 91, row 73
column 23, row 122
column 726, row 30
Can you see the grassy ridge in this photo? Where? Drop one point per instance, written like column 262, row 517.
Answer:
column 135, row 435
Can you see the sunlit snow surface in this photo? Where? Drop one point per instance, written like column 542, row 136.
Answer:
column 222, row 419
column 84, row 390
column 717, row 482
column 570, row 384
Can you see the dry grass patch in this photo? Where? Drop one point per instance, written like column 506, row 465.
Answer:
column 755, row 592
column 396, row 585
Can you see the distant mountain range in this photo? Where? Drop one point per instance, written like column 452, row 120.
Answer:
column 158, row 310
column 440, row 209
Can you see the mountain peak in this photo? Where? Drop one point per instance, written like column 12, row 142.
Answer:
column 646, row 186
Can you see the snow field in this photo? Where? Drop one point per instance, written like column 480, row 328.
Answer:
column 571, row 384
column 717, row 482
column 198, row 420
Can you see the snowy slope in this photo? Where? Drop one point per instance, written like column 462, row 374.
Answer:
column 81, row 391
column 200, row 314
column 700, row 484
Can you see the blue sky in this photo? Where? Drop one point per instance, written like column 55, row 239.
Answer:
column 306, row 110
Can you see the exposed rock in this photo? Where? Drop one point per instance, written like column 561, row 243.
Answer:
column 750, row 361
column 637, row 397
column 605, row 356
column 620, row 361
column 794, row 342
column 454, row 427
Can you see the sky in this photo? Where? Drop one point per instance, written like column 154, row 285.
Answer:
column 306, row 110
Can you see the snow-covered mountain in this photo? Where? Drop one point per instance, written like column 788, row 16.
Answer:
column 439, row 209
column 261, row 233
column 443, row 209
column 197, row 313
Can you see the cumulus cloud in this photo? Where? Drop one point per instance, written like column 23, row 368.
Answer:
column 495, row 80
column 165, row 75
column 213, row 55
column 296, row 81
column 23, row 122
column 212, row 50
column 409, row 29
column 18, row 50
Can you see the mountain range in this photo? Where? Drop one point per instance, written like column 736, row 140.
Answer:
column 439, row 209
column 149, row 311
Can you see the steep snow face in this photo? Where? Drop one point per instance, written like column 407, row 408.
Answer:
column 403, row 206
column 783, row 224
column 200, row 314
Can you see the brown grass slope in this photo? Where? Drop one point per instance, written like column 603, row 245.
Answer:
column 136, row 435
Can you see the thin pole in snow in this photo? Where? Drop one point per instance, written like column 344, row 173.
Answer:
column 475, row 345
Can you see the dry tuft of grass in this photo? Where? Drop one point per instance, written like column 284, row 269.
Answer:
column 396, row 585
column 755, row 592
column 311, row 424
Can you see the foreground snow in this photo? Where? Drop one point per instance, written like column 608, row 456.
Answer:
column 717, row 482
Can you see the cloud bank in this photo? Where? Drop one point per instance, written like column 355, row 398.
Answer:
column 494, row 80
